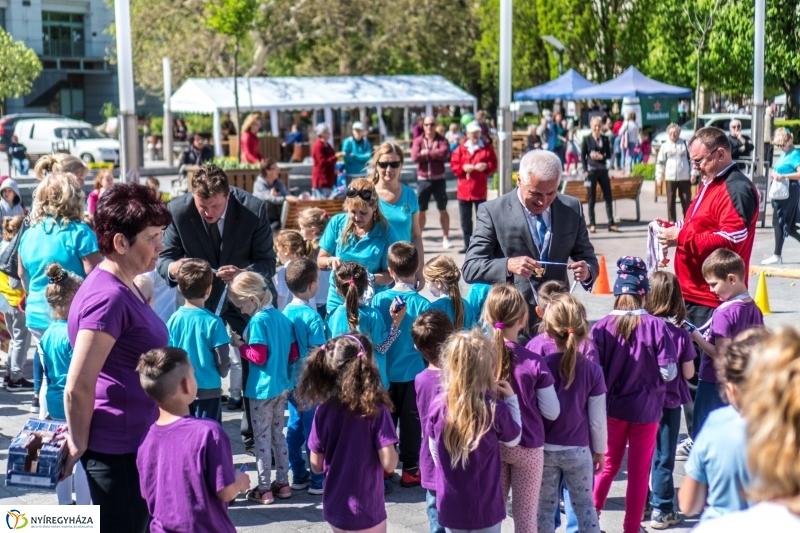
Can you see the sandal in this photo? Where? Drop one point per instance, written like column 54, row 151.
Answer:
column 614, row 229
column 592, row 229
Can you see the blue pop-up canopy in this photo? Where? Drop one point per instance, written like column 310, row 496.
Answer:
column 562, row 87
column 632, row 83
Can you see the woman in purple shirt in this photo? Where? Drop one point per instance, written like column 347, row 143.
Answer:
column 110, row 325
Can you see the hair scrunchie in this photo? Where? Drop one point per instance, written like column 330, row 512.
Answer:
column 499, row 325
column 58, row 279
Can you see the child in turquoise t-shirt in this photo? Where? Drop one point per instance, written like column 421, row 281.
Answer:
column 351, row 282
column 443, row 275
column 270, row 346
column 476, row 297
column 56, row 355
column 201, row 334
column 301, row 277
column 403, row 361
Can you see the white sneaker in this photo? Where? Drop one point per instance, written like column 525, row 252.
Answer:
column 774, row 260
column 446, row 243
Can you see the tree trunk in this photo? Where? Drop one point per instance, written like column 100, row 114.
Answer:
column 697, row 95
column 792, row 103
column 236, row 93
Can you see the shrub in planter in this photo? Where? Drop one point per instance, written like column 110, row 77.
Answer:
column 648, row 170
column 197, row 123
column 157, row 126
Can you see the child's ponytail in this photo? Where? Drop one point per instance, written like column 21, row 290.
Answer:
column 317, row 380
column 505, row 306
column 351, row 282
column 565, row 322
column 444, row 269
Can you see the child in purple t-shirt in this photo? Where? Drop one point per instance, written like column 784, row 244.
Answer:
column 542, row 345
column 638, row 357
column 575, row 442
column 352, row 438
column 724, row 272
column 666, row 302
column 429, row 332
column 467, row 424
column 185, row 464
column 507, row 311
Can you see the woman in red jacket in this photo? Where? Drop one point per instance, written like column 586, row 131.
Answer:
column 323, row 171
column 472, row 162
column 251, row 152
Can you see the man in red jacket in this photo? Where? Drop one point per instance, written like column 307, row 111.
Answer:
column 430, row 152
column 323, row 169
column 472, row 163
column 722, row 215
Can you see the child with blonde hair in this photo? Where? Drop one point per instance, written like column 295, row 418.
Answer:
column 467, row 424
column 638, row 357
column 269, row 344
column 56, row 353
column 289, row 244
column 770, row 404
column 506, row 311
column 352, row 438
column 575, row 442
column 442, row 275
column 312, row 222
column 542, row 344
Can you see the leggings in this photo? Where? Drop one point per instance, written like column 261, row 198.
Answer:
column 64, row 488
column 641, row 441
column 114, row 486
column 784, row 217
column 267, row 417
column 521, row 471
column 600, row 176
column 576, row 465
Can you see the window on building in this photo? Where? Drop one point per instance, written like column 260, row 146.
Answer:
column 63, row 34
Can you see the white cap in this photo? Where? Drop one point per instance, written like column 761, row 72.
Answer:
column 358, row 125
column 473, row 126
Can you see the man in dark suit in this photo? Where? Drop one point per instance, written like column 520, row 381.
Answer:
column 230, row 229
column 523, row 230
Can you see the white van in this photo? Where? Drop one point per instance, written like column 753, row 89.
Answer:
column 47, row 135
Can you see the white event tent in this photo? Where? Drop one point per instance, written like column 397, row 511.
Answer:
column 215, row 96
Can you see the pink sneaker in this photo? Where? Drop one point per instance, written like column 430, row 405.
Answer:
column 260, row 496
column 281, row 490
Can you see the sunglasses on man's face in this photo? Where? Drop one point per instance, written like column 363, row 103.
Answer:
column 388, row 164
column 364, row 194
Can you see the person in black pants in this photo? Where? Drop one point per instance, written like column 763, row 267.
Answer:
column 595, row 150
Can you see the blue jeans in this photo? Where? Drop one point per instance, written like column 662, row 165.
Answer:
column 706, row 400
column 664, row 460
column 38, row 372
column 297, row 432
column 22, row 165
column 210, row 408
column 433, row 513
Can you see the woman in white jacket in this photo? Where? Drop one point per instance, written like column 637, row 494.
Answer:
column 672, row 165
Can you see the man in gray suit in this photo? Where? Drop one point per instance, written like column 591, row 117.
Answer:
column 527, row 236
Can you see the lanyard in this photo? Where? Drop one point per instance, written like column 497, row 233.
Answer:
column 706, row 186
column 705, row 329
column 632, row 312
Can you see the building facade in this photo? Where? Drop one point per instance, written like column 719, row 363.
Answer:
column 72, row 39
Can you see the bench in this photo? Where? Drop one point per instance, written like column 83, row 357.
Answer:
column 291, row 210
column 621, row 189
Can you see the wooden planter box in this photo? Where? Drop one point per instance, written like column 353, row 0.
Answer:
column 269, row 147
column 242, row 178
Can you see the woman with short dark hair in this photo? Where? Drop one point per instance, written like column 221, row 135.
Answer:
column 110, row 325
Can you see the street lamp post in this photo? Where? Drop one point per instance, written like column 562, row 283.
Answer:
column 128, row 131
column 504, row 123
column 560, row 49
column 757, row 130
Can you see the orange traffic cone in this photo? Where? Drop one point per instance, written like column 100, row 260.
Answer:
column 601, row 286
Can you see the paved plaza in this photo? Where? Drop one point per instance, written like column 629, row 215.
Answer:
column 406, row 507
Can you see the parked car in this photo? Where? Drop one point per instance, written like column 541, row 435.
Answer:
column 43, row 136
column 718, row 120
column 8, row 122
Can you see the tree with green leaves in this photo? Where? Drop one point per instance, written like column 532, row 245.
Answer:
column 19, row 67
column 529, row 58
column 234, row 18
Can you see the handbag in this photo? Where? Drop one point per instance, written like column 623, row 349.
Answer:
column 779, row 190
column 9, row 258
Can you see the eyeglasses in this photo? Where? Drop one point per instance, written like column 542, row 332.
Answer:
column 735, row 127
column 364, row 194
column 388, row 164
column 429, row 124
column 697, row 162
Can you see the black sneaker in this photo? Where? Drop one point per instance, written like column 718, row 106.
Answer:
column 21, row 384
column 6, row 379
column 35, row 404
